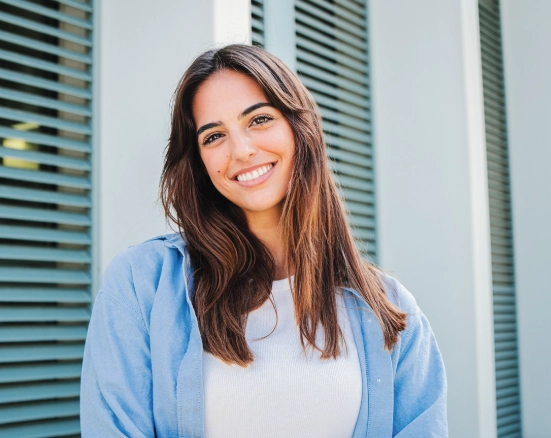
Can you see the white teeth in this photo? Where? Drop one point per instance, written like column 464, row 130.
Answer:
column 255, row 173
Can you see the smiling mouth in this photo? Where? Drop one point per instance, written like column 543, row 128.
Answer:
column 257, row 173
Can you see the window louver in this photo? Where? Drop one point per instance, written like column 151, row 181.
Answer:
column 257, row 22
column 505, row 327
column 45, row 212
column 332, row 61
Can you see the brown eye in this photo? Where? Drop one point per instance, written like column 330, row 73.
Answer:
column 210, row 138
column 260, row 120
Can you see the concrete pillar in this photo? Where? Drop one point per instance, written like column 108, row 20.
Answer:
column 279, row 30
column 433, row 213
column 142, row 50
column 527, row 64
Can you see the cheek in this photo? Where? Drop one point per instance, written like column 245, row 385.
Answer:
column 286, row 142
column 289, row 156
column 216, row 170
column 212, row 165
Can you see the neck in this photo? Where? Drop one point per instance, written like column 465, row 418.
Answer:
column 265, row 226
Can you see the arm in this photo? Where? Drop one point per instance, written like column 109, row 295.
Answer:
column 116, row 386
column 420, row 387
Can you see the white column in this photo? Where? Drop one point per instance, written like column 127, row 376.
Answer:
column 279, row 30
column 526, row 41
column 143, row 49
column 232, row 22
column 432, row 196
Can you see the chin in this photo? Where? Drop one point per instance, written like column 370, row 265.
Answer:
column 260, row 207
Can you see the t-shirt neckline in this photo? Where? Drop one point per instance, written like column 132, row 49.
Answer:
column 283, row 284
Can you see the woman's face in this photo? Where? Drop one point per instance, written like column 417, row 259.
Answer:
column 247, row 145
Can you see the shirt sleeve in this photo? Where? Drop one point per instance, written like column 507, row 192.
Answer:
column 116, row 384
column 420, row 388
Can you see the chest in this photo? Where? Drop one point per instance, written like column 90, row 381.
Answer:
column 178, row 373
column 286, row 391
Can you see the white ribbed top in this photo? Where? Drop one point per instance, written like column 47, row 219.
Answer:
column 285, row 392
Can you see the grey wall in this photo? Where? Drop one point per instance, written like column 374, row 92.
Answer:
column 526, row 44
column 144, row 48
column 433, row 220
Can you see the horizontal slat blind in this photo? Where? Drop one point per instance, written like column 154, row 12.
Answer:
column 257, row 22
column 333, row 62
column 505, row 328
column 45, row 212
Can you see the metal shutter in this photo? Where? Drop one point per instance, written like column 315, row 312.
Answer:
column 45, row 212
column 505, row 327
column 332, row 61
column 257, row 22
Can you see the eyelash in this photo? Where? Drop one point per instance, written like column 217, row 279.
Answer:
column 209, row 139
column 213, row 137
column 263, row 116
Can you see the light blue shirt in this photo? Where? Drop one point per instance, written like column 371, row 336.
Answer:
column 142, row 367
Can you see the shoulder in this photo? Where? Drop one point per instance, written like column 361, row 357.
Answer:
column 145, row 258
column 420, row 388
column 417, row 325
column 133, row 275
column 402, row 298
column 151, row 249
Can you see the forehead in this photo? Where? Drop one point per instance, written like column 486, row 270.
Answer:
column 225, row 94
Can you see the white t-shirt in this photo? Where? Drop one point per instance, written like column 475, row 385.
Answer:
column 285, row 392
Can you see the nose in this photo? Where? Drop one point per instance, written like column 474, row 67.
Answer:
column 241, row 147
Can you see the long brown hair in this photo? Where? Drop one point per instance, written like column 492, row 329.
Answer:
column 233, row 270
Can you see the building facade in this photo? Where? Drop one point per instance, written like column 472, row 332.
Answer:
column 435, row 115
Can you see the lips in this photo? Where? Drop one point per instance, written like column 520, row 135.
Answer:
column 254, row 174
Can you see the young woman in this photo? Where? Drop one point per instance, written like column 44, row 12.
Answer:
column 258, row 318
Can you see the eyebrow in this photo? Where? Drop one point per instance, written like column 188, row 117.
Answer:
column 208, row 126
column 252, row 108
column 240, row 116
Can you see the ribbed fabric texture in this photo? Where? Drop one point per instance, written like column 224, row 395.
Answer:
column 285, row 392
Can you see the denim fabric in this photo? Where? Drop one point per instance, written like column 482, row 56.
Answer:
column 142, row 368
